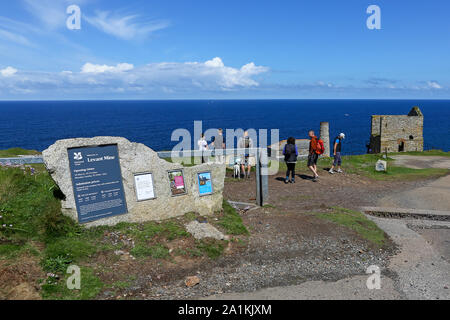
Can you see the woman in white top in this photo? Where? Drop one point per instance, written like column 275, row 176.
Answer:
column 202, row 146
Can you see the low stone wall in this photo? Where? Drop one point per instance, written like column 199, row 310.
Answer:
column 137, row 158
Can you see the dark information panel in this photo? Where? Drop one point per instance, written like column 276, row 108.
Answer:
column 97, row 182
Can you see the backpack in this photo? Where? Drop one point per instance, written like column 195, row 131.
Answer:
column 290, row 154
column 320, row 147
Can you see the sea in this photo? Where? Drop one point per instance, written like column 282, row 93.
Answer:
column 38, row 124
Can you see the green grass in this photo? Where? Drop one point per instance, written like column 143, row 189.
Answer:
column 91, row 286
column 424, row 153
column 231, row 221
column 14, row 152
column 365, row 165
column 157, row 251
column 212, row 248
column 356, row 221
column 30, row 207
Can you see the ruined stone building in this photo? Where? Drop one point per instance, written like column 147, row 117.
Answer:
column 397, row 133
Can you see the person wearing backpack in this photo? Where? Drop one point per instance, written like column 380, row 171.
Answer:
column 290, row 153
column 337, row 153
column 313, row 155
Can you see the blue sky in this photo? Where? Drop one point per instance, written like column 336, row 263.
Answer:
column 230, row 49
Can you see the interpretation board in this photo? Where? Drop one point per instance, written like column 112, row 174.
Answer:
column 205, row 186
column 97, row 182
column 176, row 179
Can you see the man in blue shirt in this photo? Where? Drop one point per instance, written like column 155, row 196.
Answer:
column 337, row 153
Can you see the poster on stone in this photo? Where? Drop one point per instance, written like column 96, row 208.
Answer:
column 176, row 180
column 144, row 186
column 205, row 186
column 97, row 182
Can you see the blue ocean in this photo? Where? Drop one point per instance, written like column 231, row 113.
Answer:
column 38, row 124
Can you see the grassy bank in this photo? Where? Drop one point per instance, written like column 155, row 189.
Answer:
column 356, row 221
column 365, row 165
column 14, row 152
column 33, row 229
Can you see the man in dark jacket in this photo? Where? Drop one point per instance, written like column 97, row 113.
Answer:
column 337, row 153
column 290, row 153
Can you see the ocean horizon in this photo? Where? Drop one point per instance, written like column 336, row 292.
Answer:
column 38, row 124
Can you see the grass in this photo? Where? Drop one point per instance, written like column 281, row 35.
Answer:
column 91, row 286
column 212, row 248
column 14, row 152
column 424, row 153
column 231, row 221
column 356, row 221
column 365, row 165
column 157, row 251
column 30, row 208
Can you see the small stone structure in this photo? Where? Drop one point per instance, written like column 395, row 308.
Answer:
column 397, row 133
column 276, row 149
column 203, row 230
column 381, row 165
column 137, row 158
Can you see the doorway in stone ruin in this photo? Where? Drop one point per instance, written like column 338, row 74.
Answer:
column 401, row 146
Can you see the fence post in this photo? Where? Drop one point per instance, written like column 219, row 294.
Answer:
column 259, row 201
column 264, row 160
column 262, row 179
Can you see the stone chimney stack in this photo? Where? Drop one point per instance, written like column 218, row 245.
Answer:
column 325, row 136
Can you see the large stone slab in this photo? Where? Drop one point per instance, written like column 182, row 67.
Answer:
column 137, row 158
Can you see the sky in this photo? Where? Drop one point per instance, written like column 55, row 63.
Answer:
column 210, row 49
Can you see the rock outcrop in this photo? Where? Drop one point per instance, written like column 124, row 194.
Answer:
column 137, row 158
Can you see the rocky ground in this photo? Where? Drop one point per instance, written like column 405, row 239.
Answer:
column 287, row 245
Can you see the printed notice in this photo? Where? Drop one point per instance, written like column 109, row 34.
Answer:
column 144, row 186
column 97, row 182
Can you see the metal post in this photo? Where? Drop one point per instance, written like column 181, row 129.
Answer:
column 259, row 200
column 264, row 159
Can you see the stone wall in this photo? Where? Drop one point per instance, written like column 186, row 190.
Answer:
column 137, row 158
column 394, row 133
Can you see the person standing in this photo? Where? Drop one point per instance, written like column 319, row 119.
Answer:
column 337, row 153
column 290, row 153
column 202, row 146
column 245, row 142
column 218, row 143
column 313, row 156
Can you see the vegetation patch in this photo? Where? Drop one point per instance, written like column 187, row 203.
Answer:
column 356, row 221
column 365, row 165
column 231, row 221
column 55, row 288
column 14, row 152
column 211, row 247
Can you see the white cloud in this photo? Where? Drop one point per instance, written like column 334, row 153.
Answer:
column 167, row 78
column 51, row 13
column 8, row 71
column 96, row 68
column 126, row 27
column 14, row 37
column 434, row 85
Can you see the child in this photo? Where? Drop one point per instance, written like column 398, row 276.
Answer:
column 290, row 153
